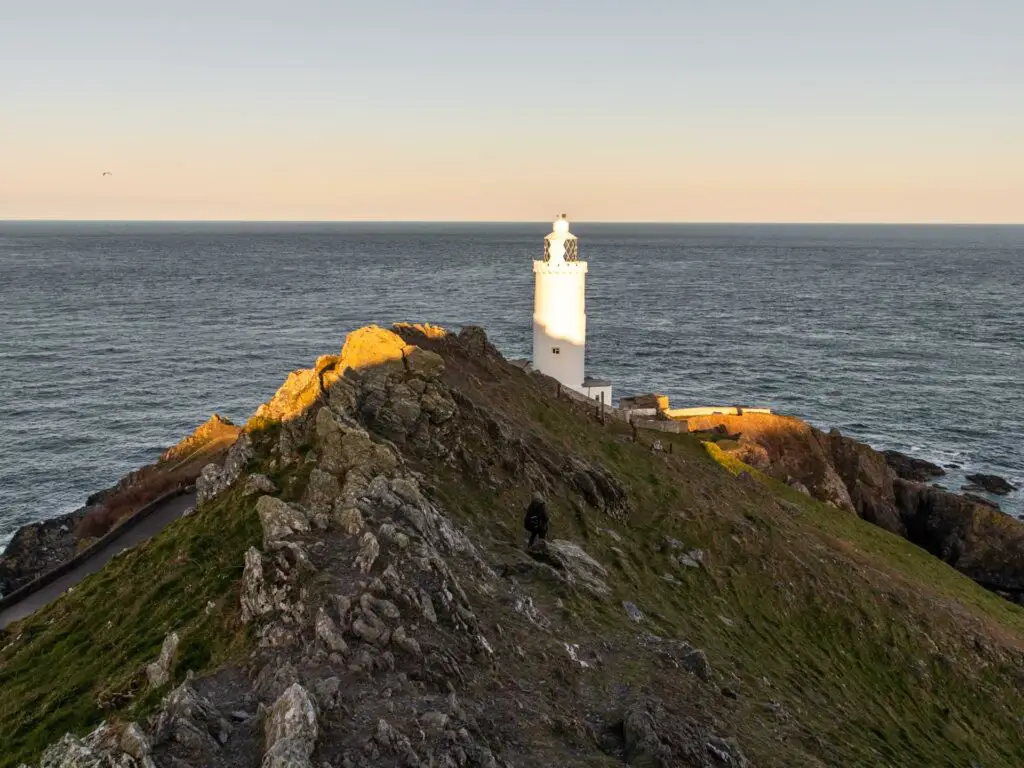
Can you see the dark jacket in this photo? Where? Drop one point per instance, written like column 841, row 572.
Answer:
column 536, row 520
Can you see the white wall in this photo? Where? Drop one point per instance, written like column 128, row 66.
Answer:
column 560, row 321
column 595, row 393
column 712, row 410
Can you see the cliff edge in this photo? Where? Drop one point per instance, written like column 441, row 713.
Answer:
column 884, row 488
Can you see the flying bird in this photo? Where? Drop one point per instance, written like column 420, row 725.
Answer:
column 107, row 173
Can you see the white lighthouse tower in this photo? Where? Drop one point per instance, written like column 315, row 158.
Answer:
column 559, row 315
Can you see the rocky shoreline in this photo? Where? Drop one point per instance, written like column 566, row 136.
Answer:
column 887, row 488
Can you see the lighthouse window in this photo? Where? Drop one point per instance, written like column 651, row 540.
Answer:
column 556, row 350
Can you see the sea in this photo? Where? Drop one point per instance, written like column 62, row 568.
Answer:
column 118, row 338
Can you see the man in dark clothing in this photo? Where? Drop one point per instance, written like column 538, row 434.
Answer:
column 536, row 520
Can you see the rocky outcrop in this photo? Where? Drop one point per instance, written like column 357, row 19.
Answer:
column 980, row 542
column 910, row 468
column 215, row 478
column 967, row 533
column 654, row 737
column 37, row 548
column 577, row 566
column 214, row 430
column 159, row 672
column 291, row 729
column 109, row 746
column 991, row 483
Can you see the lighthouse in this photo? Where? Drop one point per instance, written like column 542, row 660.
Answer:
column 559, row 314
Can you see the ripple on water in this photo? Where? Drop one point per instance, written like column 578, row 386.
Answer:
column 119, row 339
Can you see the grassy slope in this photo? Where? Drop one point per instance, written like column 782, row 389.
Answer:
column 81, row 659
column 878, row 653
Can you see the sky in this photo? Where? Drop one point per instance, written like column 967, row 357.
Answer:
column 736, row 110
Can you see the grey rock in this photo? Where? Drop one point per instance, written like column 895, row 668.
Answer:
column 71, row 752
column 159, row 672
column 990, row 483
column 280, row 520
column 329, row 633
column 632, row 611
column 434, row 720
column 292, row 718
column 369, row 550
column 406, row 643
column 255, row 601
column 697, row 662
column 692, row 559
column 438, row 408
column 258, row 484
column 286, row 753
column 579, row 567
column 326, row 692
column 191, row 720
column 321, row 491
column 727, row 752
column 215, row 479
column 424, row 363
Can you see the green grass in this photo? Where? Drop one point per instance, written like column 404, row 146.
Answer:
column 81, row 659
column 881, row 654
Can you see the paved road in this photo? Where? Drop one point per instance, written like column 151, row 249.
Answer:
column 168, row 512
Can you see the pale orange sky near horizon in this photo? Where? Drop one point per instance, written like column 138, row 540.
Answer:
column 902, row 112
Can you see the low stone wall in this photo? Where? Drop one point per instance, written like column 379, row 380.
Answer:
column 69, row 565
column 662, row 425
column 713, row 410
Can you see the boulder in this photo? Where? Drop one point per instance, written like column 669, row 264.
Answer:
column 697, row 662
column 373, row 347
column 291, row 728
column 255, row 600
column 327, row 631
column 191, row 720
column 258, row 484
column 910, row 468
column 280, row 520
column 322, row 489
column 424, row 363
column 159, row 672
column 579, row 567
column 692, row 559
column 991, row 483
column 342, row 447
column 369, row 550
column 633, row 612
column 215, row 479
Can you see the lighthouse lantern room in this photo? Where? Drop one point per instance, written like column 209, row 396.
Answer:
column 559, row 315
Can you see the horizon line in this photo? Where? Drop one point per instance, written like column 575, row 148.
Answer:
column 732, row 222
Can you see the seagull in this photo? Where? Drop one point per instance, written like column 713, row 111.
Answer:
column 107, row 173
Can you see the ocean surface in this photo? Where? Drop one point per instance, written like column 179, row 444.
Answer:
column 117, row 339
